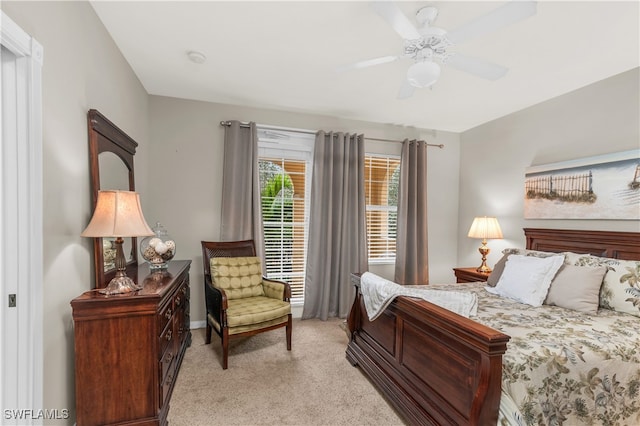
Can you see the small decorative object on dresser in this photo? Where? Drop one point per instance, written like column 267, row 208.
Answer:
column 129, row 348
column 469, row 275
column 158, row 249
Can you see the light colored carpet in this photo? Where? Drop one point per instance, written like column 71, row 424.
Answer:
column 265, row 384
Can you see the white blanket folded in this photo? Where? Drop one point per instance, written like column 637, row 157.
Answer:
column 378, row 292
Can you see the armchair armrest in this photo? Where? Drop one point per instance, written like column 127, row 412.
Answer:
column 215, row 300
column 276, row 289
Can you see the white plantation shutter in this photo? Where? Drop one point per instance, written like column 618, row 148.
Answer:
column 285, row 179
column 381, row 189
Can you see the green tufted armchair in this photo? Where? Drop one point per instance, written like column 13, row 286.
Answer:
column 239, row 300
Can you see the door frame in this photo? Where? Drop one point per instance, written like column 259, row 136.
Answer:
column 21, row 228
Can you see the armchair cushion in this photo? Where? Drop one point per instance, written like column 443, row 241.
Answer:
column 239, row 277
column 256, row 310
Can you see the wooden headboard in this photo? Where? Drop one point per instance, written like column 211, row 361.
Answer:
column 613, row 244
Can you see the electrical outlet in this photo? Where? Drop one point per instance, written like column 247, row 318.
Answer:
column 12, row 300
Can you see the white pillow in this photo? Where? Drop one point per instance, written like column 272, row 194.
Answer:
column 526, row 278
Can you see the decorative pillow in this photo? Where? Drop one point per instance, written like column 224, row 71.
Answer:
column 526, row 279
column 577, row 288
column 493, row 278
column 240, row 277
column 621, row 288
column 577, row 259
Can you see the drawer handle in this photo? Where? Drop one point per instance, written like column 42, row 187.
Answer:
column 168, row 314
column 168, row 336
column 178, row 300
column 169, row 358
column 184, row 290
column 170, row 379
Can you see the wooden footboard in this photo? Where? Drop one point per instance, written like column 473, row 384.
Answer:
column 434, row 366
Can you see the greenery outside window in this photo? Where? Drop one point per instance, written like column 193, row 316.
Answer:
column 285, row 171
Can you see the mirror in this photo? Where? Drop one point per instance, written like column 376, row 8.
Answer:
column 111, row 153
column 114, row 174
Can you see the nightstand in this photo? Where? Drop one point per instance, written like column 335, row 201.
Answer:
column 469, row 275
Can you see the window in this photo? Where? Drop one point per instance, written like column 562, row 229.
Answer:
column 382, row 176
column 285, row 171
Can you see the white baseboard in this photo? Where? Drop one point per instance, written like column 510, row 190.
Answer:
column 296, row 311
column 197, row 324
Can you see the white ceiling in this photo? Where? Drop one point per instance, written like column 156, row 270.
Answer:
column 284, row 55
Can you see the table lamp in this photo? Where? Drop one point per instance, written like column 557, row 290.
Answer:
column 485, row 228
column 118, row 214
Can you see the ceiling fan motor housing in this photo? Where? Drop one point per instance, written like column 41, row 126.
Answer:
column 426, row 15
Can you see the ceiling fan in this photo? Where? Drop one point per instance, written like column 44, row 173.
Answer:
column 426, row 43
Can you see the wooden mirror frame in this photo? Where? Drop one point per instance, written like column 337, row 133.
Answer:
column 104, row 136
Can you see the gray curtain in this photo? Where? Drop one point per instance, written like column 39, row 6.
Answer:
column 337, row 230
column 412, row 266
column 241, row 217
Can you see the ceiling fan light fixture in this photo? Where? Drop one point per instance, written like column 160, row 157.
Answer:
column 423, row 74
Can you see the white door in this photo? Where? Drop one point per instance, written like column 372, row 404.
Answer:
column 20, row 227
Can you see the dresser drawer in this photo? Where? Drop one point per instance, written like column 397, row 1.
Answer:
column 167, row 384
column 181, row 297
column 179, row 300
column 166, row 363
column 165, row 315
column 166, row 338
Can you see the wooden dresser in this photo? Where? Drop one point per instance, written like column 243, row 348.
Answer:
column 128, row 349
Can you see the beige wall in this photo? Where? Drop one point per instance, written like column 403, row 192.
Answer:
column 185, row 181
column 82, row 69
column 598, row 119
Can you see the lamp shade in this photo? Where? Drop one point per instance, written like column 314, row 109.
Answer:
column 485, row 228
column 117, row 214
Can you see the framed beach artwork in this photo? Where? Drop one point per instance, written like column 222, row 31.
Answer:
column 601, row 187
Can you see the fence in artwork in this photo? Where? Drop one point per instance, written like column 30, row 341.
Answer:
column 573, row 188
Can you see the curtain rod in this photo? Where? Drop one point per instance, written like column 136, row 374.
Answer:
column 311, row 132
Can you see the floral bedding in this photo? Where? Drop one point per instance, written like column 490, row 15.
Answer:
column 564, row 367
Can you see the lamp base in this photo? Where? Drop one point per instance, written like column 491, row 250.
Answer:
column 120, row 284
column 484, row 251
column 484, row 269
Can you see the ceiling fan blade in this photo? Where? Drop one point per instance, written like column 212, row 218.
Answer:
column 390, row 12
column 406, row 90
column 507, row 14
column 368, row 63
column 475, row 66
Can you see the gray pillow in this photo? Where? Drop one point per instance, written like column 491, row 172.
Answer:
column 577, row 288
column 498, row 268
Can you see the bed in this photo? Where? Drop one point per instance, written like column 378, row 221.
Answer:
column 439, row 368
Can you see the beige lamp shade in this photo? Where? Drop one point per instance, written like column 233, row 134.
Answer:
column 117, row 214
column 485, row 228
